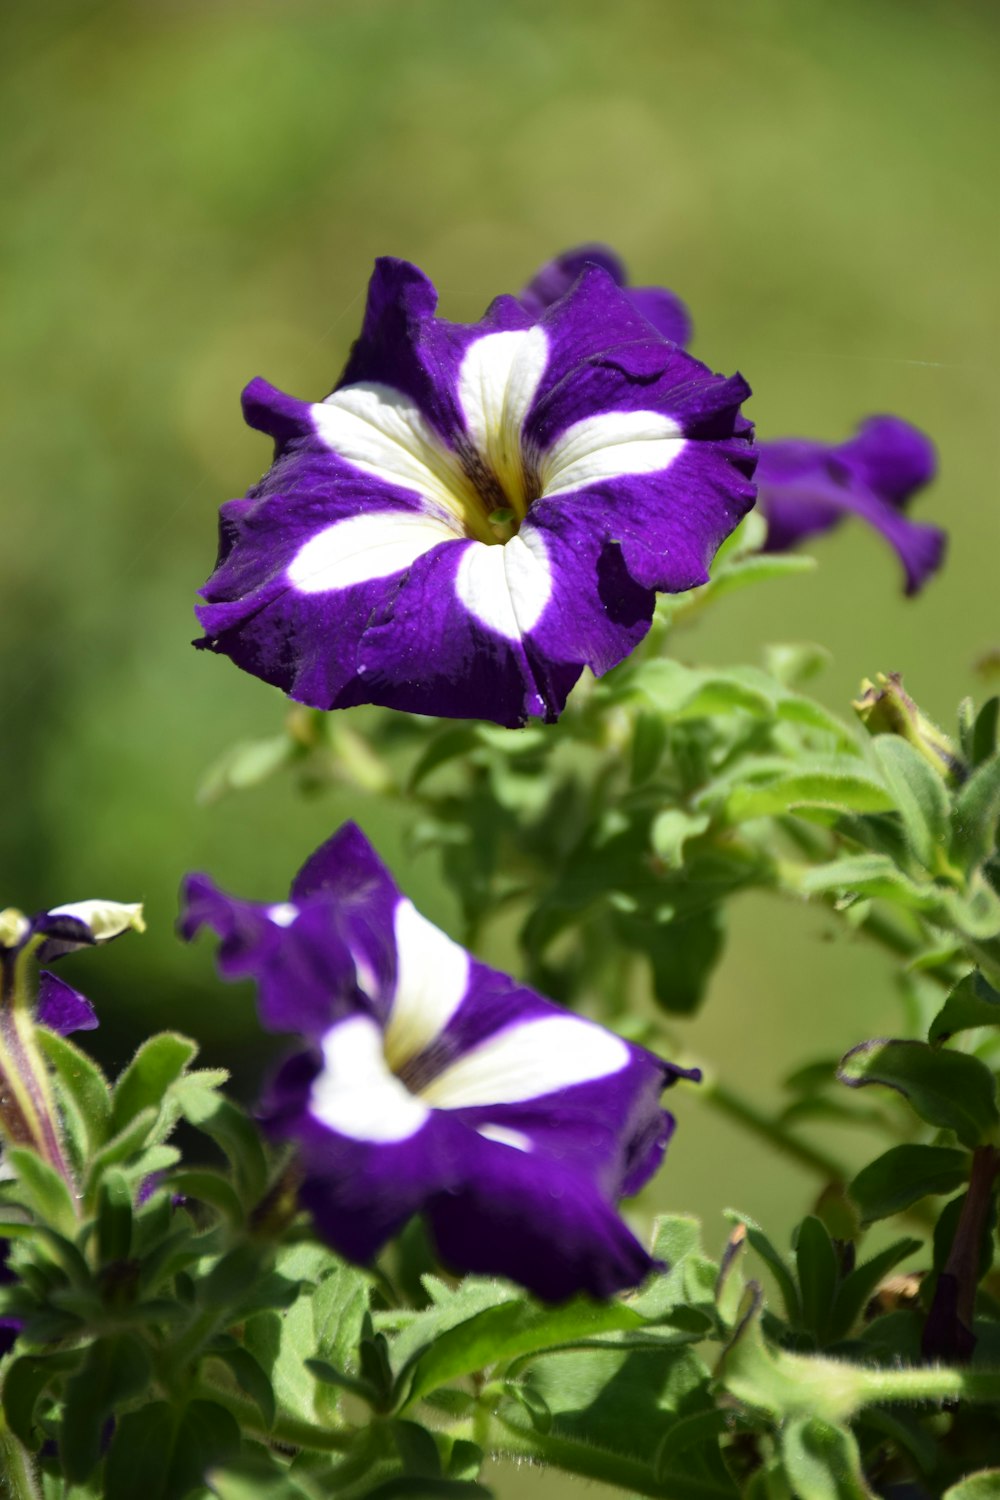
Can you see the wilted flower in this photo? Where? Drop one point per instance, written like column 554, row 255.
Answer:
column 433, row 1084
column 477, row 512
column 808, row 487
column 28, row 1115
column 658, row 306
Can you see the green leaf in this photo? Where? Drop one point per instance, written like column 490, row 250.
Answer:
column 676, row 1237
column 856, row 1290
column 502, row 1333
column 245, row 765
column 83, row 1091
column 451, row 744
column 983, row 1485
column 822, row 1461
column 649, row 741
column 256, row 1479
column 949, row 1090
column 670, row 831
column 904, row 1175
column 114, row 1218
column 984, row 732
column 975, row 813
column 682, row 953
column 24, row 1382
column 115, row 1370
column 696, row 1431
column 816, row 1263
column 121, row 1147
column 919, row 794
column 971, row 1003
column 231, row 1129
column 837, row 782
column 248, row 1373
column 210, row 1187
column 870, row 875
column 775, row 1263
column 43, row 1190
column 156, row 1065
column 159, row 1456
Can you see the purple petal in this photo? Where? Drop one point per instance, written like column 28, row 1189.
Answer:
column 658, row 306
column 305, row 972
column 62, row 1008
column 807, row 488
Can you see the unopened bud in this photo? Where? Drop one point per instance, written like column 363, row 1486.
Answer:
column 886, row 708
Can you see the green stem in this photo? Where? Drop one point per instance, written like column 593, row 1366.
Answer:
column 980, row 1387
column 17, row 1474
column 733, row 1105
column 505, row 1440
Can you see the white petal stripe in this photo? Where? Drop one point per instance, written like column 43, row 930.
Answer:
column 528, row 1061
column 355, row 1094
column 376, row 544
column 432, row 977
column 497, row 381
column 608, row 446
column 506, row 588
column 381, row 431
column 504, row 1137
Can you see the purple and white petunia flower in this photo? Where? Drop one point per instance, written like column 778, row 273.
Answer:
column 50, row 935
column 808, row 487
column 433, row 1084
column 664, row 309
column 478, row 512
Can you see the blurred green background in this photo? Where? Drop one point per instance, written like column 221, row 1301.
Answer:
column 194, row 193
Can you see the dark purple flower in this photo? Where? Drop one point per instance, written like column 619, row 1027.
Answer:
column 477, row 512
column 50, row 935
column 433, row 1084
column 808, row 487
column 663, row 309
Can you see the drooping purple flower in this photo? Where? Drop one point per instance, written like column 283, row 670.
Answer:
column 433, row 1084
column 807, row 487
column 662, row 308
column 477, row 512
column 50, row 935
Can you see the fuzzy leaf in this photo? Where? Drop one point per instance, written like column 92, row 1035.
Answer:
column 918, row 793
column 160, row 1456
column 502, row 1333
column 949, row 1090
column 857, row 1288
column 974, row 818
column 973, row 1002
column 822, row 1461
column 904, row 1175
column 155, row 1066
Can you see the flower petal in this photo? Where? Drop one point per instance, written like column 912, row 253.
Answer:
column 808, row 487
column 536, row 1221
column 357, row 1094
column 62, row 1008
column 305, row 971
column 665, row 311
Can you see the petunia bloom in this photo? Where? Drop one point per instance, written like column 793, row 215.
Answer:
column 477, row 512
column 431, row 1083
column 662, row 308
column 807, row 487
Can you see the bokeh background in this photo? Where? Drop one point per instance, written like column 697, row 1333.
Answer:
column 193, row 193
